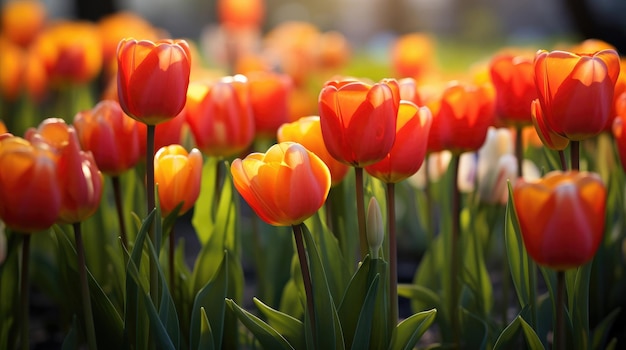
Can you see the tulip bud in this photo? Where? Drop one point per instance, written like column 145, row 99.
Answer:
column 375, row 229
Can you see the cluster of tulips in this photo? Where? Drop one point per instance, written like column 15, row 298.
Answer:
column 516, row 163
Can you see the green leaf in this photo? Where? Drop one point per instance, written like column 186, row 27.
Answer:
column 476, row 276
column 289, row 327
column 475, row 332
column 329, row 334
column 353, row 299
column 211, row 297
column 508, row 337
column 71, row 338
column 266, row 335
column 203, row 219
column 409, row 331
column 421, row 294
column 364, row 324
column 206, row 341
column 601, row 332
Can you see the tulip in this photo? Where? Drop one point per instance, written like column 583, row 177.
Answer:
column 3, row 128
column 359, row 120
column 548, row 137
column 307, row 131
column 269, row 98
column 461, row 118
column 576, row 91
column 22, row 21
column 412, row 55
column 71, row 52
column 241, row 13
column 619, row 130
column 409, row 91
column 284, row 186
column 30, row 199
column 152, row 78
column 79, row 180
column 220, row 116
column 513, row 80
column 178, row 175
column 110, row 136
column 561, row 217
column 409, row 149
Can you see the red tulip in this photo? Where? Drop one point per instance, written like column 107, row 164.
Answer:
column 561, row 217
column 359, row 120
column 513, row 79
column 110, row 135
column 220, row 116
column 284, row 186
column 152, row 78
column 576, row 91
column 548, row 137
column 409, row 149
column 619, row 128
column 461, row 118
column 30, row 199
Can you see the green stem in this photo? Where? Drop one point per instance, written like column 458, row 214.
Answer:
column 306, row 275
column 217, row 186
column 575, row 155
column 90, row 329
column 393, row 256
column 456, row 261
column 170, row 259
column 360, row 211
column 154, row 287
column 559, row 330
column 430, row 203
column 117, row 193
column 24, row 292
column 563, row 160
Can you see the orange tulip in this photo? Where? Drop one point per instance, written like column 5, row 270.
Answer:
column 359, row 120
column 71, row 52
column 79, row 179
column 576, row 91
column 513, row 79
column 178, row 175
column 241, row 13
column 11, row 61
column 30, row 199
column 152, row 78
column 269, row 97
column 307, row 131
column 409, row 150
column 3, row 128
column 220, row 116
column 110, row 135
column 412, row 55
column 22, row 21
column 548, row 137
column 461, row 118
column 284, row 186
column 561, row 217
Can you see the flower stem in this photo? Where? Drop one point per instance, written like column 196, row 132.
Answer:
column 117, row 193
column 563, row 160
column 170, row 259
column 90, row 329
column 24, row 293
column 360, row 212
column 393, row 256
column 575, row 155
column 154, row 287
column 519, row 151
column 559, row 330
column 306, row 275
column 456, row 261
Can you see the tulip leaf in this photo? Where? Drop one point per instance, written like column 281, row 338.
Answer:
column 206, row 341
column 289, row 327
column 204, row 219
column 409, row 331
column 475, row 274
column 327, row 326
column 421, row 294
column 601, row 332
column 211, row 296
column 364, row 325
column 508, row 338
column 353, row 300
column 108, row 322
column 475, row 332
column 267, row 336
column 70, row 342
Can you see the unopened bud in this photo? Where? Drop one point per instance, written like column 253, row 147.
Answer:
column 374, row 228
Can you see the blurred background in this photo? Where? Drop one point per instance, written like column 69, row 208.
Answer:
column 367, row 21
